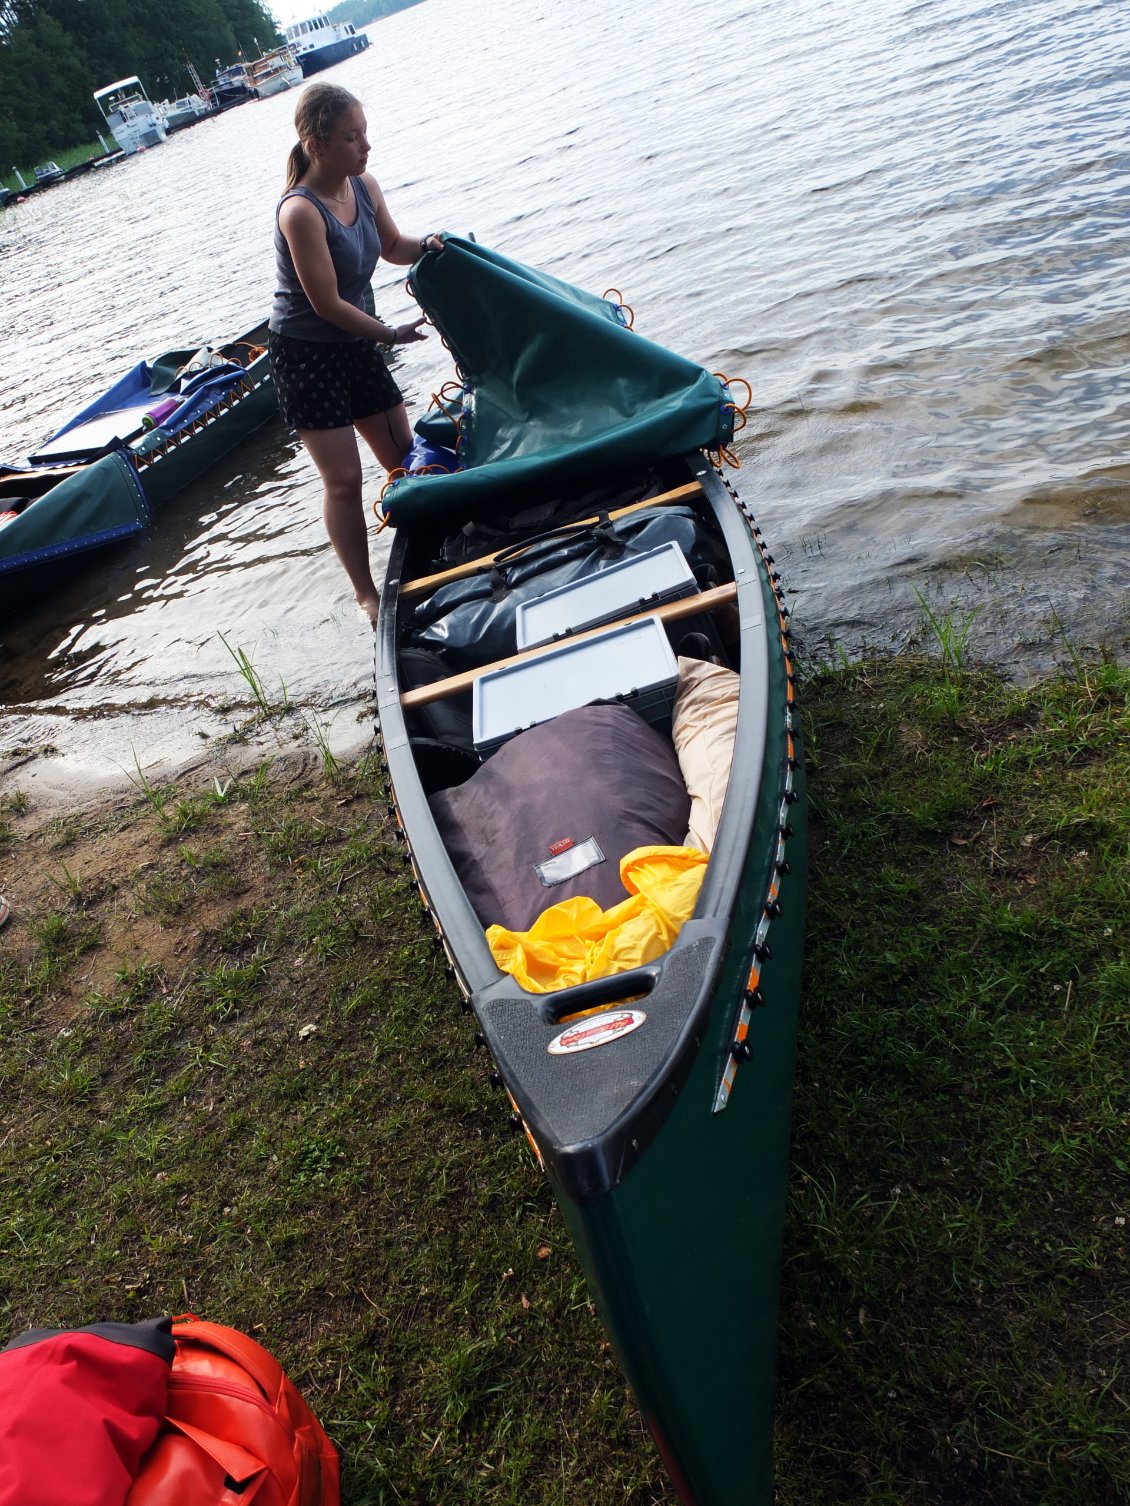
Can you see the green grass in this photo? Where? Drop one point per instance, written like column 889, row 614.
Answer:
column 267, row 708
column 236, row 1079
column 955, row 1305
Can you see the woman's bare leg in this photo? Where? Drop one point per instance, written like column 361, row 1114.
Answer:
column 335, row 453
column 388, row 435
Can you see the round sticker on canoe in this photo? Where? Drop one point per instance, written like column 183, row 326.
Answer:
column 597, row 1030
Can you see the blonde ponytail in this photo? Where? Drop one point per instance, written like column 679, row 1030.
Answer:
column 297, row 164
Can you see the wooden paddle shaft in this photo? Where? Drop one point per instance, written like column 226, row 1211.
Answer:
column 671, row 611
column 482, row 564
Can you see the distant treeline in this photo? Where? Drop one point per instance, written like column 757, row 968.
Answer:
column 361, row 12
column 55, row 53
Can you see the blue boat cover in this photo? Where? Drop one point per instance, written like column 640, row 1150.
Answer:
column 555, row 385
column 117, row 414
column 96, row 505
column 201, row 393
column 135, row 389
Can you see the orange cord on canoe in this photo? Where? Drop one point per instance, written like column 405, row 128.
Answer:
column 723, row 454
column 441, row 403
column 397, row 473
column 614, row 294
column 728, row 382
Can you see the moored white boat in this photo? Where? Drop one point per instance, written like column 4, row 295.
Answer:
column 134, row 120
column 274, row 71
column 185, row 111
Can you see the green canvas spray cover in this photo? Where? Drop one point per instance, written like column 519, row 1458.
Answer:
column 97, row 505
column 556, row 386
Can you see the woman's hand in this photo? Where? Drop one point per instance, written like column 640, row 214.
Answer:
column 408, row 334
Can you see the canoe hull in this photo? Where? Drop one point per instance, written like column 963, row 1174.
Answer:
column 668, row 1148
column 683, row 1256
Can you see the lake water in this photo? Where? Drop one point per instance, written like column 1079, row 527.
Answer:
column 903, row 223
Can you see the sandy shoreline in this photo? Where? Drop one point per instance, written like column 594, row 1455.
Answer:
column 77, row 773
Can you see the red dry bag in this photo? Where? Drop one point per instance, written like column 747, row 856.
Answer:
column 236, row 1430
column 79, row 1408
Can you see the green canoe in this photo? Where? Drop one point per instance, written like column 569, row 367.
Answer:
column 657, row 1098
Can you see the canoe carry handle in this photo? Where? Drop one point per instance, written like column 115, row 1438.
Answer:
column 619, row 988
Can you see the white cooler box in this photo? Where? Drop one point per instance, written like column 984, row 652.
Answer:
column 633, row 663
column 638, row 583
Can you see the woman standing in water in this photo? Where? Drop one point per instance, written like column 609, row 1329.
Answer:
column 331, row 225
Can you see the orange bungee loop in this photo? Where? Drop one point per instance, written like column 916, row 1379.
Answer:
column 615, row 295
column 728, row 382
column 723, row 454
column 397, row 473
column 447, row 395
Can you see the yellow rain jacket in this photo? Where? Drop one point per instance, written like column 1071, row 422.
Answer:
column 577, row 940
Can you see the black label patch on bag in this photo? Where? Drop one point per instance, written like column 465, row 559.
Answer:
column 568, row 862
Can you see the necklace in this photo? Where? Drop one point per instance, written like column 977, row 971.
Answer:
column 334, row 198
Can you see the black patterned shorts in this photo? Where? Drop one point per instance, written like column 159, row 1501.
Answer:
column 327, row 384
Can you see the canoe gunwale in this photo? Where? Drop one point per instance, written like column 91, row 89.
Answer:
column 593, row 1114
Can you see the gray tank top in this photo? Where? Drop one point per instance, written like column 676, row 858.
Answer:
column 354, row 250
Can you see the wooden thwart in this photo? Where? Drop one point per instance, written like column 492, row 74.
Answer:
column 671, row 611
column 483, row 563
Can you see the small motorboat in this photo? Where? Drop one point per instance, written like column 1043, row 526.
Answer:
column 186, row 111
column 232, row 86
column 96, row 480
column 586, row 716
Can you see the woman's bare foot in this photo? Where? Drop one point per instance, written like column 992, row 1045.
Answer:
column 370, row 605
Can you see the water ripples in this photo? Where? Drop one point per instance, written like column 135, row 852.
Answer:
column 903, row 224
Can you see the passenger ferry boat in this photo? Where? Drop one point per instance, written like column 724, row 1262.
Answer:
column 320, row 42
column 134, row 120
